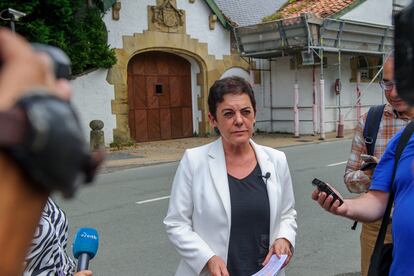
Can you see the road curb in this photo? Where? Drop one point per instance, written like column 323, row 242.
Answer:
column 131, row 163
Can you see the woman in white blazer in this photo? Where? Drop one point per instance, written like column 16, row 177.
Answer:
column 232, row 203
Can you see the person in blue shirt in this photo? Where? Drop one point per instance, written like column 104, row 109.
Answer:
column 371, row 206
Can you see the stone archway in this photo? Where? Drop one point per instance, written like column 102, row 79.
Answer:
column 159, row 96
column 180, row 44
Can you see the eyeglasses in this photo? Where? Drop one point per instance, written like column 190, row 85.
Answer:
column 387, row 85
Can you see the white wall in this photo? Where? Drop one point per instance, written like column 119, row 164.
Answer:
column 372, row 11
column 197, row 23
column 133, row 19
column 92, row 99
column 283, row 79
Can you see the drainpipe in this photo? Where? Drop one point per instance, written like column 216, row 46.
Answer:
column 314, row 104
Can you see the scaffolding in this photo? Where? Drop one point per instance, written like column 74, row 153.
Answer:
column 284, row 36
column 307, row 34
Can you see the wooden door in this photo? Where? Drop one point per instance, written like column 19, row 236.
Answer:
column 159, row 94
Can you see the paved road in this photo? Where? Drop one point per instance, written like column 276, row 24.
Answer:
column 133, row 241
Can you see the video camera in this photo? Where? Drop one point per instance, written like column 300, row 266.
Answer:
column 61, row 62
column 404, row 53
column 43, row 135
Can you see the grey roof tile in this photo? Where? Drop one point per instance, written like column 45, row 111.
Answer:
column 248, row 12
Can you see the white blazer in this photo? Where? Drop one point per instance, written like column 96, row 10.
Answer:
column 199, row 214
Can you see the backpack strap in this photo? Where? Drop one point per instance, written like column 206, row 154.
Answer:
column 370, row 132
column 371, row 127
column 405, row 137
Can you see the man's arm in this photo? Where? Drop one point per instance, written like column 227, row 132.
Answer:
column 357, row 181
column 368, row 207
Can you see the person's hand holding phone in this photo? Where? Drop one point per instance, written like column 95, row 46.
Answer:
column 329, row 198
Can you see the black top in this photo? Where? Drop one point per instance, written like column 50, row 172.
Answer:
column 250, row 215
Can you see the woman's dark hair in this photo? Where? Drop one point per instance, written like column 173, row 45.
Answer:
column 229, row 85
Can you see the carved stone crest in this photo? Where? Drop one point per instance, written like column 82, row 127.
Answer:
column 166, row 17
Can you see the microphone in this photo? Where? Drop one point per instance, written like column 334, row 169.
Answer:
column 266, row 176
column 85, row 247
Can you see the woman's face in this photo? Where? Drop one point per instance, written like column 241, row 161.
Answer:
column 234, row 118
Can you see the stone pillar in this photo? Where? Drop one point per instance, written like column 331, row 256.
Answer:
column 97, row 139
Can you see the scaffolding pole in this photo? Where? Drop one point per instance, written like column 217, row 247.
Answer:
column 322, row 100
column 271, row 94
column 314, row 102
column 296, row 102
column 295, row 108
column 340, row 129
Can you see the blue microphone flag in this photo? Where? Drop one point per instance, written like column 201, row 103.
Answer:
column 86, row 241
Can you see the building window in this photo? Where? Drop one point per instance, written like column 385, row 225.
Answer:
column 367, row 66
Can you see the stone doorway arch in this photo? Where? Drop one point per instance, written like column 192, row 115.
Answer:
column 210, row 69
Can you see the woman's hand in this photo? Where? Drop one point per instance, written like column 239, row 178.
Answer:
column 280, row 247
column 84, row 273
column 217, row 267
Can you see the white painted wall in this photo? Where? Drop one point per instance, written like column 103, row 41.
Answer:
column 93, row 94
column 372, row 11
column 92, row 99
column 281, row 97
column 197, row 23
column 133, row 19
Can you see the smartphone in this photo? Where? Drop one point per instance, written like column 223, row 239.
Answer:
column 370, row 162
column 369, row 158
column 325, row 187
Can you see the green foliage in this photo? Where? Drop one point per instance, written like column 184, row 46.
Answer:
column 121, row 145
column 272, row 17
column 290, row 10
column 68, row 24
